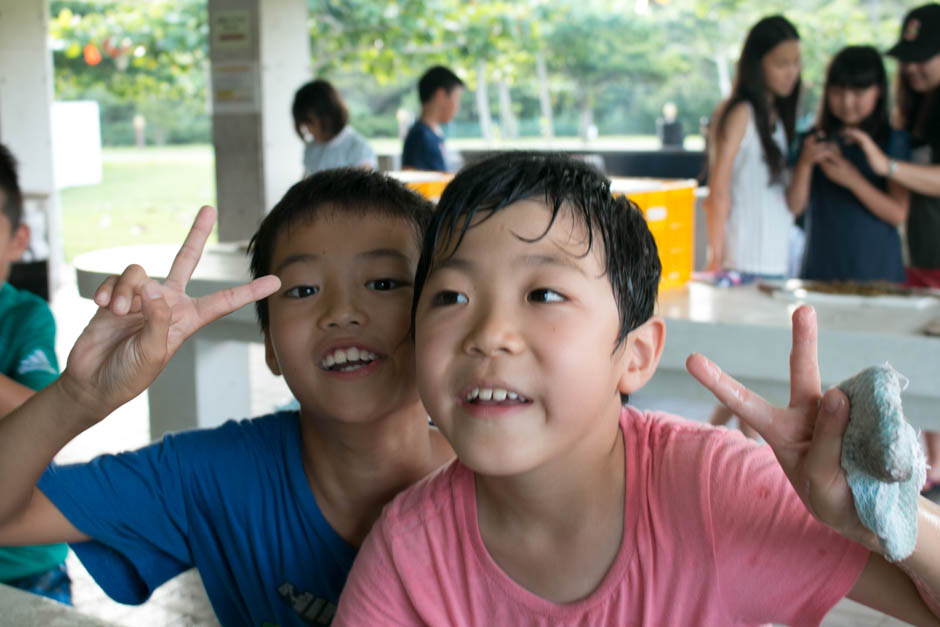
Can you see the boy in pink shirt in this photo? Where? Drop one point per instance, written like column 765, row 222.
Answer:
column 533, row 322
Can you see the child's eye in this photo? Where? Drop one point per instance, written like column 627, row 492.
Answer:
column 302, row 291
column 448, row 297
column 384, row 285
column 545, row 295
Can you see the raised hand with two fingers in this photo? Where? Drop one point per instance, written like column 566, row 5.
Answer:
column 806, row 436
column 141, row 323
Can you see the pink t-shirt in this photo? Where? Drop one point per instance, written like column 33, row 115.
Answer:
column 713, row 535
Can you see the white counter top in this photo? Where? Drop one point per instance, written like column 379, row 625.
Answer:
column 747, row 332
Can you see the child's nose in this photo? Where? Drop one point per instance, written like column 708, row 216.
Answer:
column 341, row 311
column 494, row 332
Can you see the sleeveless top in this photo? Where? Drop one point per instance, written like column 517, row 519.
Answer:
column 757, row 230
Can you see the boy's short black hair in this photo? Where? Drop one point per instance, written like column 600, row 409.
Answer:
column 355, row 191
column 435, row 78
column 12, row 201
column 321, row 99
column 631, row 260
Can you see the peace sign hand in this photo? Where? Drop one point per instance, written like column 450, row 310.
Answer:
column 141, row 323
column 806, row 436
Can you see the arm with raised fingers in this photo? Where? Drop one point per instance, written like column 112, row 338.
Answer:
column 806, row 437
column 139, row 325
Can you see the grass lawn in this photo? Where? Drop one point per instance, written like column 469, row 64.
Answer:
column 147, row 195
column 151, row 195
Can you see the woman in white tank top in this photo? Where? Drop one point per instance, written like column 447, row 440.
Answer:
column 746, row 209
column 747, row 214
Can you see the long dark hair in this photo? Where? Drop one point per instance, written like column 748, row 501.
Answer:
column 857, row 67
column 749, row 87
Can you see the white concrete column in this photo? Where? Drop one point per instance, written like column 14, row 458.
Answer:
column 26, row 92
column 260, row 54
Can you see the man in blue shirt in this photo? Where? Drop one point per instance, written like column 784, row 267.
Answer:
column 439, row 90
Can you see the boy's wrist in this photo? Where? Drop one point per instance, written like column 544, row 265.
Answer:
column 78, row 405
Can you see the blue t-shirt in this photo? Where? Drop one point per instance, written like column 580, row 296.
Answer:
column 844, row 240
column 232, row 501
column 423, row 149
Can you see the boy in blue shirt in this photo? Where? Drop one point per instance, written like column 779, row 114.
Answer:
column 270, row 510
column 27, row 363
column 439, row 90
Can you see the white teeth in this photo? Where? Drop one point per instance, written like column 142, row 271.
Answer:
column 353, row 355
column 493, row 394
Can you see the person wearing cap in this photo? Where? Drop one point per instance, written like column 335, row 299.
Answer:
column 918, row 112
column 918, row 50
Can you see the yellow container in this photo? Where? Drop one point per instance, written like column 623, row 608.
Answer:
column 429, row 184
column 669, row 208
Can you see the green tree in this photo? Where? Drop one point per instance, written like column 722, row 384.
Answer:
column 146, row 58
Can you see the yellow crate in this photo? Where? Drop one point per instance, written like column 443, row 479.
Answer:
column 669, row 208
column 429, row 184
column 431, row 190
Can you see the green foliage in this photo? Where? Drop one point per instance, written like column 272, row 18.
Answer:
column 610, row 62
column 153, row 59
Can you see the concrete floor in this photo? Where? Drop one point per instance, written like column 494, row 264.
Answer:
column 182, row 602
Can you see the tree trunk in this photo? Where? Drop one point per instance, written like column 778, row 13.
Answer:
column 724, row 78
column 483, row 102
column 586, row 117
column 507, row 121
column 546, row 124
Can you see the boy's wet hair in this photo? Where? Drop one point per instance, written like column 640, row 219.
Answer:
column 352, row 191
column 631, row 261
column 12, row 201
column 436, row 78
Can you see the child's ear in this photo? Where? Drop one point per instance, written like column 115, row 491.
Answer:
column 269, row 357
column 641, row 352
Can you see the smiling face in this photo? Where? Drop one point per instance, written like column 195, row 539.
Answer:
column 781, row 68
column 923, row 76
column 852, row 105
column 515, row 341
column 339, row 326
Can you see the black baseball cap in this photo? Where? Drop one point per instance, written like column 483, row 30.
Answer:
column 920, row 35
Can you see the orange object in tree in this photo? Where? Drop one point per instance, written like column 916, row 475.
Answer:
column 92, row 54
